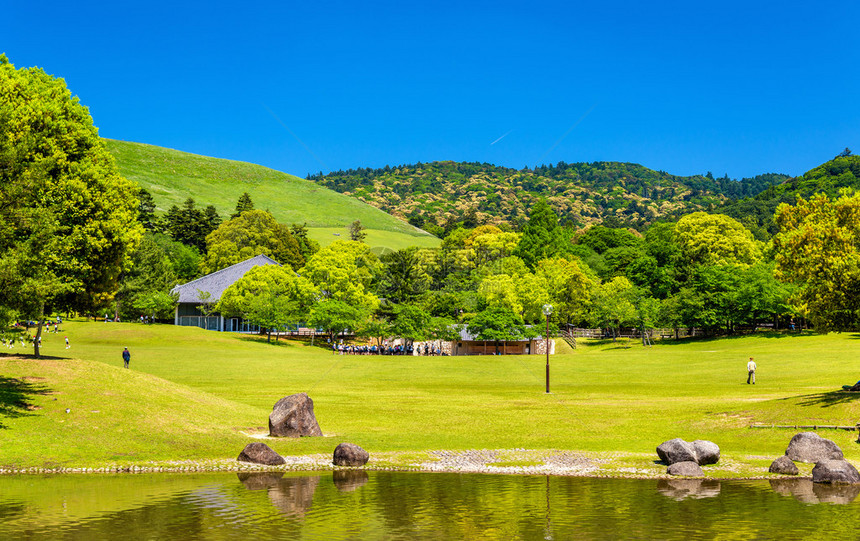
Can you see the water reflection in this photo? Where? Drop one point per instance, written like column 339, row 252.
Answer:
column 349, row 480
column 681, row 489
column 292, row 496
column 804, row 490
column 354, row 504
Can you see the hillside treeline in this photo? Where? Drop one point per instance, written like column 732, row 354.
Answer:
column 435, row 195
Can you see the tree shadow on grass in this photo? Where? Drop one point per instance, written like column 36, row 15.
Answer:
column 825, row 400
column 16, row 397
column 687, row 340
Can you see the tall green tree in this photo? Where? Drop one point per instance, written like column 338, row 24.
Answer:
column 404, row 278
column 818, row 249
column 68, row 220
column 253, row 233
column 244, row 204
column 715, row 239
column 345, row 271
column 542, row 236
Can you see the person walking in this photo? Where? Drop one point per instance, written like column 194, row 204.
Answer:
column 67, row 342
column 751, row 371
column 126, row 356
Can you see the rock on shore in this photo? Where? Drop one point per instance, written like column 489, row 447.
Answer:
column 809, row 447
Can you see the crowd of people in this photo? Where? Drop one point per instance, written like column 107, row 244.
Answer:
column 398, row 349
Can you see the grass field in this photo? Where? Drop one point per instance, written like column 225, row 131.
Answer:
column 198, row 395
column 172, row 176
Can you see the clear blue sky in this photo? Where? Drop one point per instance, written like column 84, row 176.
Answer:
column 737, row 88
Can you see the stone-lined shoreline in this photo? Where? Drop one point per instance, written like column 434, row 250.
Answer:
column 483, row 461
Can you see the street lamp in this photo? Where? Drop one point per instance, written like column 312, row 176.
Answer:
column 547, row 311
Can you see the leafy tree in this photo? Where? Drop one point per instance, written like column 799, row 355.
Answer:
column 542, row 236
column 307, row 246
column 647, row 313
column 404, row 278
column 375, row 328
column 345, row 271
column 715, row 239
column 253, row 233
column 244, row 204
column 68, row 220
column 335, row 317
column 499, row 291
column 498, row 324
column 146, row 211
column 410, row 323
column 356, row 231
column 270, row 311
column 613, row 304
column 818, row 249
column 155, row 304
column 601, row 238
column 190, row 225
column 267, row 281
column 569, row 285
column 152, row 271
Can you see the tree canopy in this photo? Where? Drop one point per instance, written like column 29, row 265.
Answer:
column 68, row 220
column 253, row 233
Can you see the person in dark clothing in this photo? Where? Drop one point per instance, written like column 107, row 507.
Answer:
column 126, row 356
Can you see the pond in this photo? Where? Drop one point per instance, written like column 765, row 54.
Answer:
column 383, row 505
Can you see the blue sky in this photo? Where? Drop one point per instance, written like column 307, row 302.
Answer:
column 737, row 88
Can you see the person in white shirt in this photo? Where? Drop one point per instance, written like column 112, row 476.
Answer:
column 751, row 371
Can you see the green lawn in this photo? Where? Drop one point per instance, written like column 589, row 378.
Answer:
column 193, row 394
column 172, row 176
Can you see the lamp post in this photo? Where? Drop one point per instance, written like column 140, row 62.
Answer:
column 547, row 311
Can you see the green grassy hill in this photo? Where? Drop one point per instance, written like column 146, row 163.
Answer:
column 172, row 176
column 199, row 395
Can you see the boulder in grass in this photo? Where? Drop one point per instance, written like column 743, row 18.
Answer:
column 293, row 417
column 260, row 453
column 784, row 466
column 349, row 454
column 702, row 452
column 707, row 452
column 809, row 447
column 835, row 471
column 676, row 450
column 688, row 468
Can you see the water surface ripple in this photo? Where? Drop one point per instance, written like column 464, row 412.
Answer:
column 393, row 506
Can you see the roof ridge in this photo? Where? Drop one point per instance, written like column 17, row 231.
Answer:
column 227, row 268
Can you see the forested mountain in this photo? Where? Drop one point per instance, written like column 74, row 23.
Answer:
column 431, row 195
column 756, row 213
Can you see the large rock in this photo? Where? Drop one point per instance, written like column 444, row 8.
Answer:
column 260, row 453
column 676, row 450
column 349, row 454
column 701, row 452
column 707, row 452
column 293, row 417
column 783, row 465
column 835, row 471
column 809, row 447
column 686, row 469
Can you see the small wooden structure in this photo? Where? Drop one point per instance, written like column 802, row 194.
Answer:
column 468, row 344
